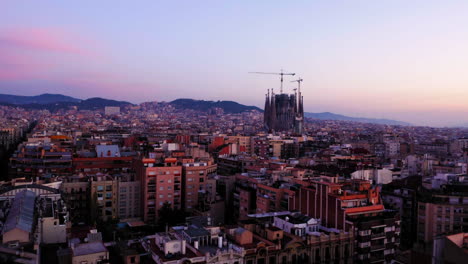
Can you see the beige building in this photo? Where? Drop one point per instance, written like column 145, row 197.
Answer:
column 104, row 197
column 245, row 142
column 275, row 146
column 129, row 199
column 89, row 253
column 442, row 214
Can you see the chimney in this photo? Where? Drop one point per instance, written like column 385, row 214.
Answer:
column 184, row 247
column 220, row 242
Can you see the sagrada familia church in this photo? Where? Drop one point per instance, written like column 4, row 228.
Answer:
column 284, row 112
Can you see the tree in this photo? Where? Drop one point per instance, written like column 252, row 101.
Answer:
column 167, row 216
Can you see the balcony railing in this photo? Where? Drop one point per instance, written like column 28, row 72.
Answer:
column 378, row 235
column 377, row 247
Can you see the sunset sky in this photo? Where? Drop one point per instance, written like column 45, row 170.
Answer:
column 404, row 60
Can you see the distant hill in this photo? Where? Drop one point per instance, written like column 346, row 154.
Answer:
column 332, row 116
column 37, row 99
column 54, row 102
column 201, row 105
column 97, row 102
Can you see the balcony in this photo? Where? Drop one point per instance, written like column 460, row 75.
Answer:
column 378, row 236
column 377, row 247
column 376, row 259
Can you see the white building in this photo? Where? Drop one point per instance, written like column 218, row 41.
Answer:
column 376, row 176
column 112, row 110
column 297, row 224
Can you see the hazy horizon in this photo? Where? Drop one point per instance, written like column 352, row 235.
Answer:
column 398, row 60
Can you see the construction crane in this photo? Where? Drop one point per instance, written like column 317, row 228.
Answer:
column 298, row 84
column 298, row 95
column 277, row 73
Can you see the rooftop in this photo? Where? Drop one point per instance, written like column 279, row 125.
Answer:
column 22, row 212
column 89, row 248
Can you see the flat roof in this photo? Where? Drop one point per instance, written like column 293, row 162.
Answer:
column 89, row 248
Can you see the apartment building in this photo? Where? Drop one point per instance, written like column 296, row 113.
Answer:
column 353, row 206
column 129, row 199
column 104, row 197
column 194, row 180
column 160, row 183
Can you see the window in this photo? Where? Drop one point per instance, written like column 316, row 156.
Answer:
column 100, row 188
column 272, row 260
column 161, row 188
column 202, row 179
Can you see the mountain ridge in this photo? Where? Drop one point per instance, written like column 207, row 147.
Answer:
column 54, row 102
column 202, row 105
column 338, row 117
column 45, row 98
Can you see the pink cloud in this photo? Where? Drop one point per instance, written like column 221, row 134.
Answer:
column 42, row 39
column 24, row 56
column 24, row 53
column 18, row 66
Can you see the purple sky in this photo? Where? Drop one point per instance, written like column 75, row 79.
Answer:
column 404, row 60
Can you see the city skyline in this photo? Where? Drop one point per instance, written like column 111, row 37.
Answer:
column 395, row 60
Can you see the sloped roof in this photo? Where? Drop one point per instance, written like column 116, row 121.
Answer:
column 21, row 212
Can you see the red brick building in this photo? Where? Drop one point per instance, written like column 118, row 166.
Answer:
column 161, row 183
